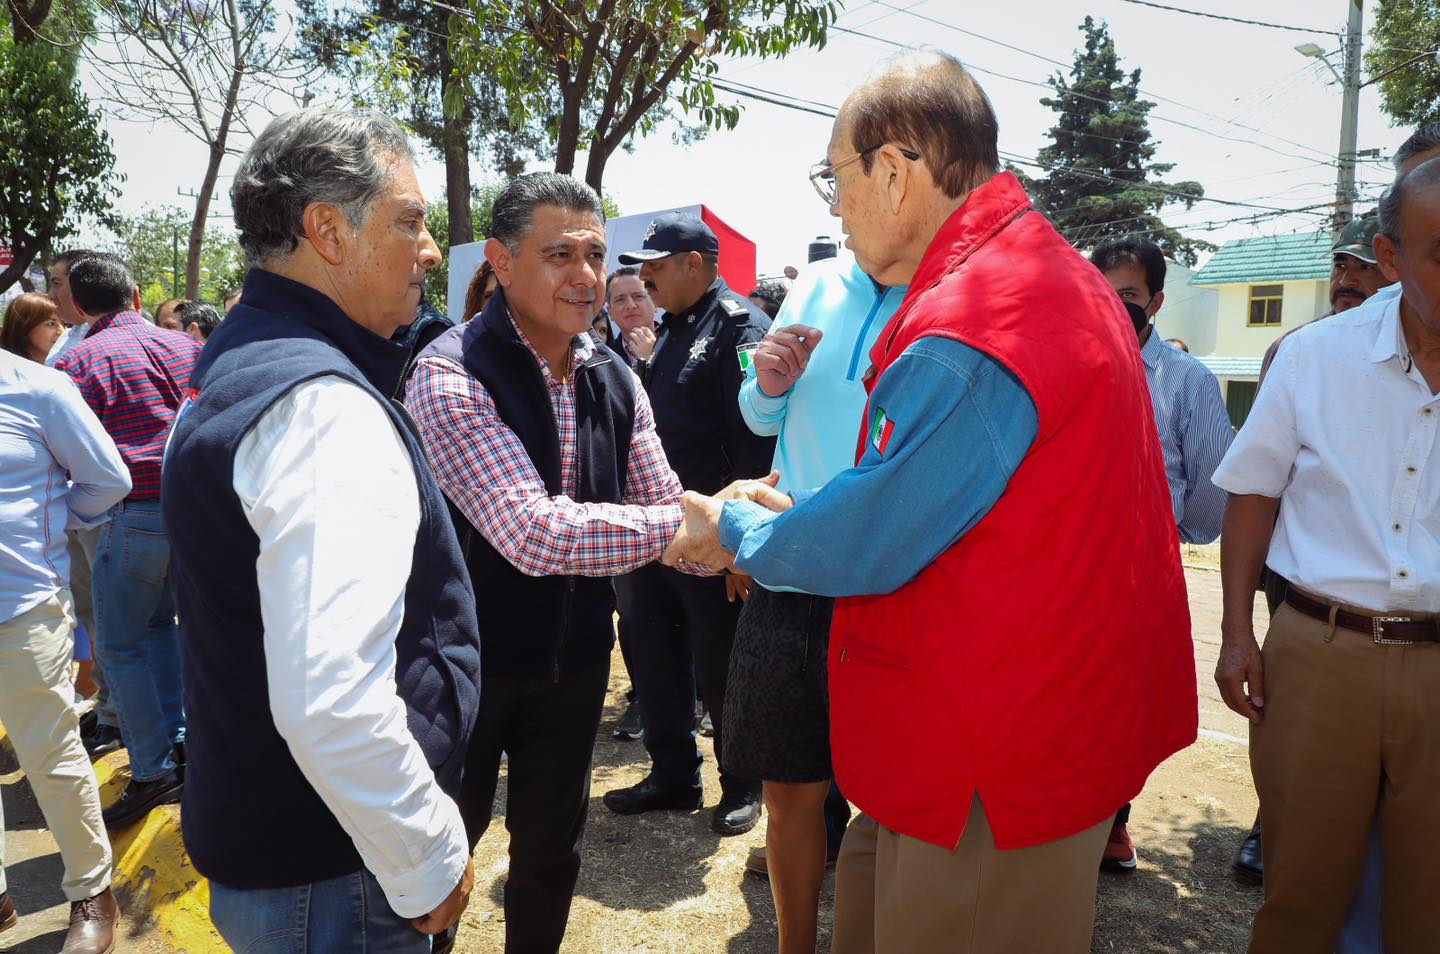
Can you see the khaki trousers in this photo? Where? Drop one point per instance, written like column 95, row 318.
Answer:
column 38, row 711
column 1350, row 729
column 900, row 895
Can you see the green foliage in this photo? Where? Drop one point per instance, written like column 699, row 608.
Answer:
column 1102, row 180
column 56, row 166
column 151, row 241
column 1404, row 39
column 592, row 74
column 437, row 221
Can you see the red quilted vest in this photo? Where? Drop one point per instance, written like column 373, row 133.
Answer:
column 1044, row 660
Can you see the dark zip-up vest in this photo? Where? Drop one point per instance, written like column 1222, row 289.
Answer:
column 250, row 818
column 543, row 627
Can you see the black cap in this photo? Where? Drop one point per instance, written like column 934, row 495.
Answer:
column 672, row 234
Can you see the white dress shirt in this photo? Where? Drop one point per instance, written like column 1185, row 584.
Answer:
column 58, row 470
column 328, row 487
column 1344, row 432
column 69, row 339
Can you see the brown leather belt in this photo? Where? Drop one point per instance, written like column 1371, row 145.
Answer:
column 1394, row 630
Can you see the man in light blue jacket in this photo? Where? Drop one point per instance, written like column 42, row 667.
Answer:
column 813, row 398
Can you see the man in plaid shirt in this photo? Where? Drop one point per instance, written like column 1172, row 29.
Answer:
column 546, row 447
column 134, row 375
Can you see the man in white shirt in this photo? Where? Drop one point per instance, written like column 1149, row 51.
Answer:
column 327, row 622
column 47, row 431
column 1345, row 699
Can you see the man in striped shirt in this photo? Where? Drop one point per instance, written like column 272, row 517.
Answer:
column 134, row 377
column 1195, row 429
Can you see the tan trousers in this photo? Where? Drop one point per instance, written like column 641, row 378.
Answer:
column 899, row 895
column 1349, row 727
column 38, row 712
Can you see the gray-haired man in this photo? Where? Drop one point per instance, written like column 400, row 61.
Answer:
column 331, row 648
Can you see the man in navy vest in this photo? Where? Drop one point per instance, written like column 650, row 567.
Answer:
column 332, row 657
column 545, row 444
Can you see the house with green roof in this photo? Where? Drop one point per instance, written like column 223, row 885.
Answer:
column 1267, row 287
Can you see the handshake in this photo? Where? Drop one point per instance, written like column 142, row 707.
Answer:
column 698, row 539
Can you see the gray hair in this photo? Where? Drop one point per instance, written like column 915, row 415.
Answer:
column 513, row 214
column 1425, row 175
column 1423, row 139
column 319, row 154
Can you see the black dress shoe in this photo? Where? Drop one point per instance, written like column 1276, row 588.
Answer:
column 88, row 722
column 649, row 796
column 735, row 815
column 139, row 797
column 1248, row 862
column 104, row 740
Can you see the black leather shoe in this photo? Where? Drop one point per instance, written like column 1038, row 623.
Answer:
column 104, row 740
column 8, row 917
column 89, row 722
column 139, row 797
column 649, row 796
column 735, row 815
column 1248, row 862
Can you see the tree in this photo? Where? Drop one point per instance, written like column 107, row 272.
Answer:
column 149, row 243
column 593, row 73
column 1101, row 178
column 394, row 57
column 1405, row 37
column 203, row 65
column 57, row 166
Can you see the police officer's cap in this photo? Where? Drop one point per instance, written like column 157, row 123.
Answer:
column 672, row 234
column 1358, row 238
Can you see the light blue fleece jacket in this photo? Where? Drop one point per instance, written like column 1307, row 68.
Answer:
column 819, row 419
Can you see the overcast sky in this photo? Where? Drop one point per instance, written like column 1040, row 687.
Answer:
column 1238, row 110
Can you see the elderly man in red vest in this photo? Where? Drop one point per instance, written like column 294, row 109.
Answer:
column 1004, row 549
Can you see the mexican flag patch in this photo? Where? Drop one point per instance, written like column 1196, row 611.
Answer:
column 745, row 354
column 881, row 430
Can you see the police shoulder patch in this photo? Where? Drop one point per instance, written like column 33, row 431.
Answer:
column 734, row 308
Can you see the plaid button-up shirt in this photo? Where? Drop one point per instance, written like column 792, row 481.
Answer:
column 484, row 468
column 134, row 377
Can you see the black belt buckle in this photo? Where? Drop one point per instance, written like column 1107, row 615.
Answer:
column 1377, row 629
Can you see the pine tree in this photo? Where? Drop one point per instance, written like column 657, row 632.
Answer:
column 1101, row 179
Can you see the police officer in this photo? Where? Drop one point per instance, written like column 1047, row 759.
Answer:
column 681, row 627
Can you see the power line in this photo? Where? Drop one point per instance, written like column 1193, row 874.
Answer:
column 1096, row 99
column 1216, row 16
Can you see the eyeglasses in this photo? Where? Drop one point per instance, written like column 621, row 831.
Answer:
column 822, row 174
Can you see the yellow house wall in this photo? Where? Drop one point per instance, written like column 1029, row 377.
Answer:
column 1234, row 337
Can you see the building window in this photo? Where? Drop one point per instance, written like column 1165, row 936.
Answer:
column 1265, row 302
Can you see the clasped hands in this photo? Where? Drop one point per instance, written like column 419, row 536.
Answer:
column 698, row 539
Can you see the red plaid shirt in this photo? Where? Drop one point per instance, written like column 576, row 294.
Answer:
column 134, row 377
column 483, row 467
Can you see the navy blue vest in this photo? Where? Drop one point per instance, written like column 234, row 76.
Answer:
column 541, row 627
column 250, row 819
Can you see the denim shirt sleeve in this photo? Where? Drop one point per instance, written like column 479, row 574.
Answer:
column 947, row 428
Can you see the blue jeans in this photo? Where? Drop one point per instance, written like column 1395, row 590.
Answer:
column 137, row 641
column 344, row 915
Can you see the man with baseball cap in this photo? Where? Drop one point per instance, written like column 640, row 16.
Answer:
column 682, row 627
column 1354, row 276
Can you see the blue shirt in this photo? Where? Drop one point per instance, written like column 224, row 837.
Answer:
column 1195, row 433
column 818, row 419
column 948, row 428
column 46, row 430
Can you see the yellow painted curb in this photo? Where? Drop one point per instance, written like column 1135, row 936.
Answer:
column 159, row 890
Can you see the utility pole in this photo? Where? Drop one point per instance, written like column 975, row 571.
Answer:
column 1349, row 116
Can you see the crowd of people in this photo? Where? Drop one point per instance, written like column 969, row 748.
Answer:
column 322, row 566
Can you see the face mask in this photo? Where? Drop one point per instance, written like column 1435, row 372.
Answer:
column 1138, row 316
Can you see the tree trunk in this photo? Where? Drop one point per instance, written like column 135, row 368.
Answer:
column 595, row 165
column 455, row 140
column 568, row 140
column 24, row 255
column 202, row 214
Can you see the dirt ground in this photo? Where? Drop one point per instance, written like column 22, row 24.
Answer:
column 664, row 883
